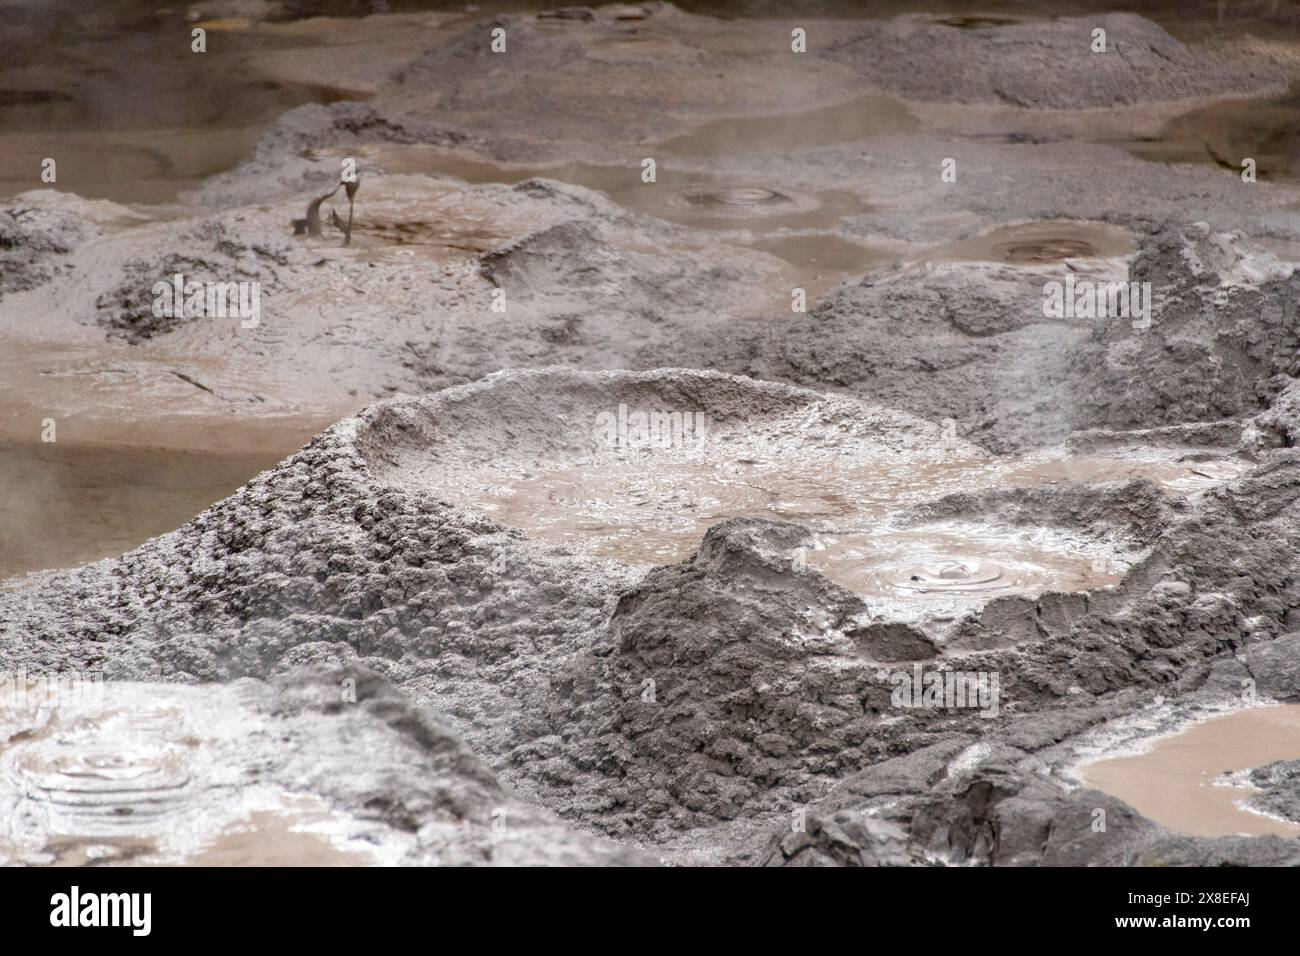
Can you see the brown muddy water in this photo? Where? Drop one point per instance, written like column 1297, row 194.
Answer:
column 64, row 504
column 1181, row 781
column 1226, row 134
column 801, row 228
column 652, row 512
column 130, row 113
column 1039, row 243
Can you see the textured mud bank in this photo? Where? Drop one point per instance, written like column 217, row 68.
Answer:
column 693, row 707
column 604, row 551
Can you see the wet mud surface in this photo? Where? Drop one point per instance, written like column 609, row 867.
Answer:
column 67, row 506
column 1181, row 781
column 631, row 505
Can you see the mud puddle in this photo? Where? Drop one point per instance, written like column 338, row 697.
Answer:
column 1180, row 780
column 65, row 504
column 294, row 834
column 1039, row 243
column 700, row 200
column 659, row 514
column 1184, row 476
column 856, row 120
column 132, row 115
column 824, row 259
column 654, row 514
column 800, row 228
column 819, row 262
column 952, row 567
column 1225, row 134
column 128, row 773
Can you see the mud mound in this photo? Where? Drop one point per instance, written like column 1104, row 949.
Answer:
column 443, row 283
column 715, row 68
column 972, row 343
column 1042, row 64
column 215, row 255
column 734, row 682
column 563, row 414
column 32, row 238
column 663, row 704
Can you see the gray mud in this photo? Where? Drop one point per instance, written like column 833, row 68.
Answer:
column 1042, row 64
column 350, row 552
column 611, row 554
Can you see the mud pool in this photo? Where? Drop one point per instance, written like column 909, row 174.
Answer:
column 1190, row 781
column 655, row 510
column 65, row 506
column 140, row 777
column 374, row 576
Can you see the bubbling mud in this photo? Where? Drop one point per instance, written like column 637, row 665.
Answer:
column 951, row 575
column 949, row 567
column 727, row 197
column 653, row 506
column 145, row 774
column 1040, row 243
column 106, row 776
column 656, row 511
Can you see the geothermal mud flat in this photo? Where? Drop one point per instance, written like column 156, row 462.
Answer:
column 608, row 549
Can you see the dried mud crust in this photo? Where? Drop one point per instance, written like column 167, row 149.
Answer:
column 1046, row 64
column 768, row 691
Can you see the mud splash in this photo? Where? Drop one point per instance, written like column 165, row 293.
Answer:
column 145, row 775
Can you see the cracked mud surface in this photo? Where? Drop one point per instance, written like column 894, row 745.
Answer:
column 552, row 623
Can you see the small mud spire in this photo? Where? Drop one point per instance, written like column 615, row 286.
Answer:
column 311, row 225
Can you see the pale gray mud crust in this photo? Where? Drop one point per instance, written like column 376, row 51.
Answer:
column 32, row 243
column 1049, row 64
column 330, row 751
